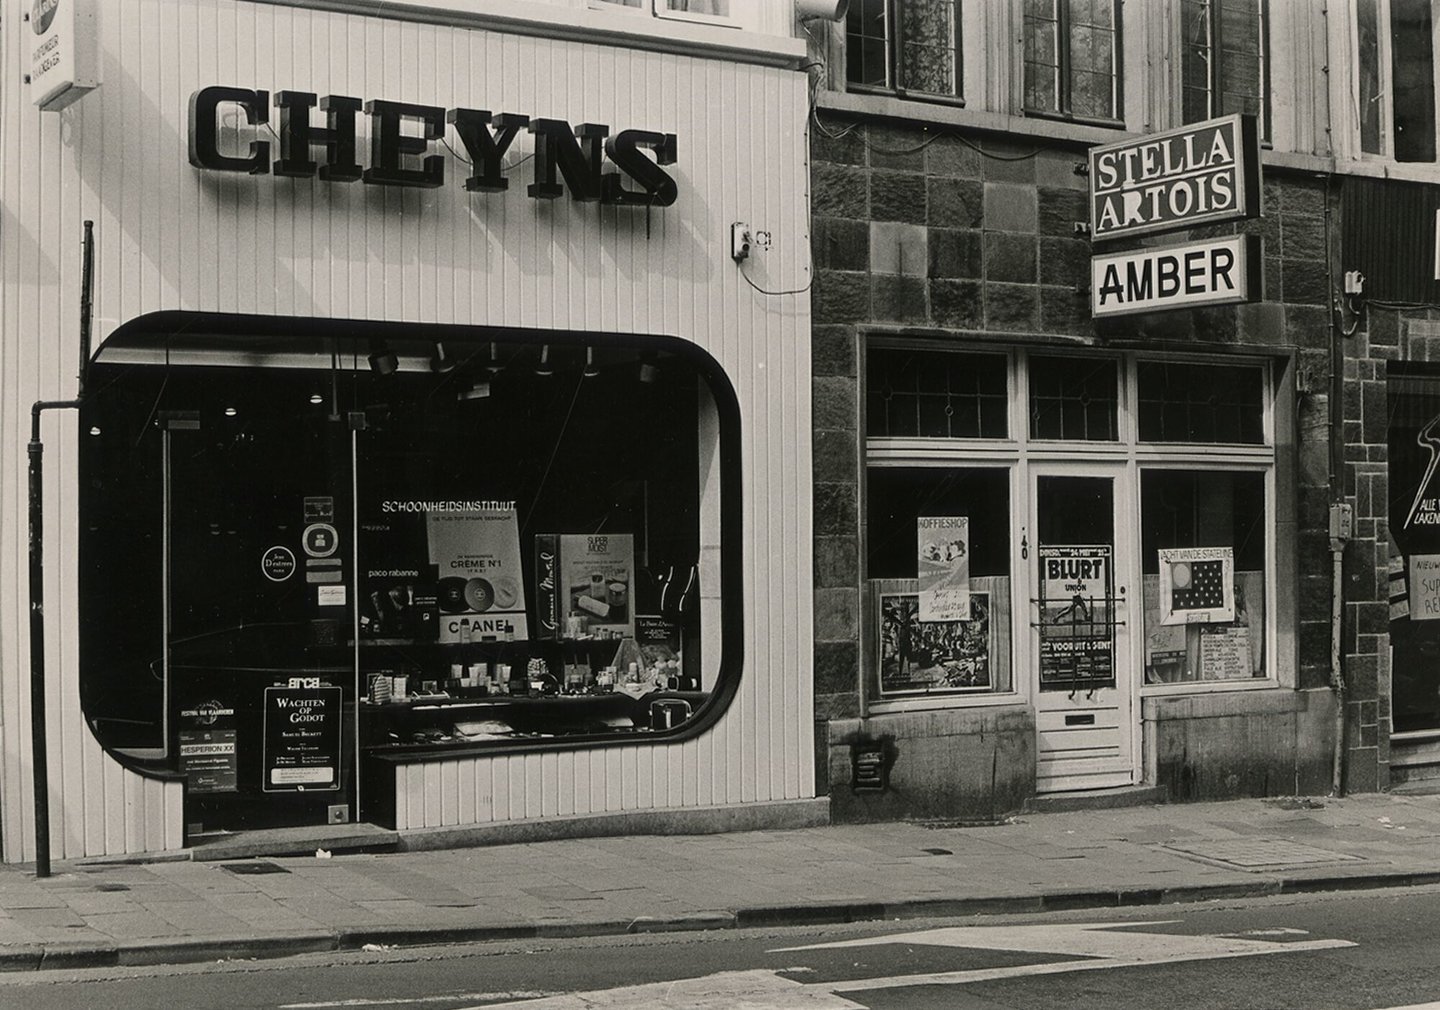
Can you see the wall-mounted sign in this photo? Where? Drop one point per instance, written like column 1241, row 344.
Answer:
column 302, row 738
column 278, row 563
column 64, row 48
column 404, row 141
column 1199, row 174
column 1223, row 271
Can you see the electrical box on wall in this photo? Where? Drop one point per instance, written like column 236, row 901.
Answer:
column 1342, row 521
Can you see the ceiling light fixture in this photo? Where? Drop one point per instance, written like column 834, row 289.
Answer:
column 590, row 369
column 477, row 390
column 441, row 361
column 544, row 368
column 383, row 360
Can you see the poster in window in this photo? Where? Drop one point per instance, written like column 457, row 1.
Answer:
column 1197, row 585
column 302, row 738
column 932, row 657
column 207, row 738
column 475, row 548
column 1077, row 626
column 944, row 567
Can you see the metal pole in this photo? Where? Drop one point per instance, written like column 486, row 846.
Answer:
column 37, row 659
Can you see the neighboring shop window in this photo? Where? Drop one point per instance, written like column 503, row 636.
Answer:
column 1188, row 402
column 908, row 46
column 1072, row 59
column 1224, row 61
column 1073, row 399
column 946, row 632
column 517, row 530
column 936, row 394
column 1203, row 544
column 1370, row 47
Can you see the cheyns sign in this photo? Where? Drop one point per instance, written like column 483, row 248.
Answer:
column 402, row 136
column 1218, row 272
column 1201, row 174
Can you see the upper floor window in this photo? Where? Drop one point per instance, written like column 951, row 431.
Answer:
column 1072, row 58
column 700, row 10
column 911, row 47
column 1223, row 60
column 1395, row 78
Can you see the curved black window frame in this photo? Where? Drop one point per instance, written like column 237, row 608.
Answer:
column 184, row 337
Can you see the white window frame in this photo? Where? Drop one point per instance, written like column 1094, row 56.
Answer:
column 1385, row 79
column 1018, row 451
column 743, row 13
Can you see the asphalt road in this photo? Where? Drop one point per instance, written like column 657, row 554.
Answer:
column 1352, row 950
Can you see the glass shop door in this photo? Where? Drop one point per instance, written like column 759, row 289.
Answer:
column 1084, row 678
column 259, row 666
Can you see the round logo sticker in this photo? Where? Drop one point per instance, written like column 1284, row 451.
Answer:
column 320, row 540
column 278, row 564
column 42, row 14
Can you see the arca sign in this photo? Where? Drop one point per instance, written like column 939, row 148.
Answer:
column 401, row 138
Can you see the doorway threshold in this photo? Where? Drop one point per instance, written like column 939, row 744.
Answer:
column 1096, row 799
column 297, row 841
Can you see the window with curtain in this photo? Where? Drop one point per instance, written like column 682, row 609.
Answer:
column 1072, row 59
column 910, row 47
column 1224, row 60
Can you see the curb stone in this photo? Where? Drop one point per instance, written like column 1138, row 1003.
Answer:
column 71, row 955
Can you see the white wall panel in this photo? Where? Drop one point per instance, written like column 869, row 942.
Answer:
column 171, row 237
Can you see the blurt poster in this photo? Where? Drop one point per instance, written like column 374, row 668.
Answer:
column 475, row 548
column 944, row 567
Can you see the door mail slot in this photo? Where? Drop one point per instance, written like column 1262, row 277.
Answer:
column 1088, row 719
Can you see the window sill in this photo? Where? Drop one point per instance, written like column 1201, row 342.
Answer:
column 690, row 36
column 894, row 706
column 900, row 94
column 942, row 114
column 1208, row 687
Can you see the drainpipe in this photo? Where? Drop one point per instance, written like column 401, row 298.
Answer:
column 36, row 450
column 1339, row 509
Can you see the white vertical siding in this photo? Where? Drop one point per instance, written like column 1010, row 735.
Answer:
column 171, row 237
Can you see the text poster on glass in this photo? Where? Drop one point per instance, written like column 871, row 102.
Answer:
column 1077, row 623
column 932, row 657
column 302, row 737
column 944, row 567
column 1197, row 585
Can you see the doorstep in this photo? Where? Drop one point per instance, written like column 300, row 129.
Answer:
column 300, row 841
column 1096, row 799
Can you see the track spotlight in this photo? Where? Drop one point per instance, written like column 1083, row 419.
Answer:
column 441, row 361
column 590, row 369
column 649, row 370
column 383, row 360
column 494, row 364
column 544, row 367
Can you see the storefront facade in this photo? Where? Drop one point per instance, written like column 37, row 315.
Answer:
column 1141, row 501
column 438, row 467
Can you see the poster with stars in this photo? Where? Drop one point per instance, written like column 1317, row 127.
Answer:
column 1197, row 585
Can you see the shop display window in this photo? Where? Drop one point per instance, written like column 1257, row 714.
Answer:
column 475, row 539
column 1203, row 537
column 939, row 567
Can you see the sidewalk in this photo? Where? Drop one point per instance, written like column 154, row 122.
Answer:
column 94, row 913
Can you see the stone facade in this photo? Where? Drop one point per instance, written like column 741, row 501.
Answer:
column 962, row 236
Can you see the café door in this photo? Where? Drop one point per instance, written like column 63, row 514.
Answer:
column 1080, row 558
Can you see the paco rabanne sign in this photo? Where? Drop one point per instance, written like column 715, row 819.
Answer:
column 1199, row 174
column 321, row 137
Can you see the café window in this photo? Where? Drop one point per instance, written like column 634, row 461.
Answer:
column 1072, row 59
column 936, row 394
column 911, row 47
column 1073, row 399
column 480, row 540
column 1203, row 550
column 1224, row 60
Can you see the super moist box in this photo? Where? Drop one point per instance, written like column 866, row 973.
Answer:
column 585, row 584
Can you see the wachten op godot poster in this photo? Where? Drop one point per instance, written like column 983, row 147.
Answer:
column 944, row 567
